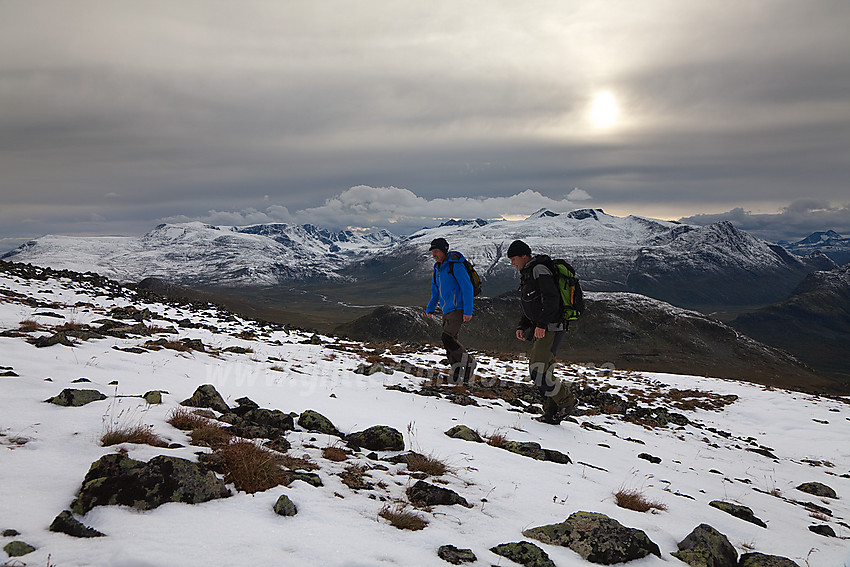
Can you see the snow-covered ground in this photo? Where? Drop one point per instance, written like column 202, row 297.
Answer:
column 46, row 450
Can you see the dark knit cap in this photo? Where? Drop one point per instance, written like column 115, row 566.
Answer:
column 518, row 248
column 440, row 244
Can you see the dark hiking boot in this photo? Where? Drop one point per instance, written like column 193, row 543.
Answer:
column 560, row 415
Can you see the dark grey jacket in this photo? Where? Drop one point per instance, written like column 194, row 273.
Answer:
column 539, row 296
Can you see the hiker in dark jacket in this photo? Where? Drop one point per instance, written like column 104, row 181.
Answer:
column 543, row 324
column 452, row 289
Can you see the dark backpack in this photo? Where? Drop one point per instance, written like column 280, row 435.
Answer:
column 572, row 297
column 470, row 269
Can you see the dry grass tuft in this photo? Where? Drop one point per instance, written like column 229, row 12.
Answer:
column 496, row 439
column 186, row 420
column 297, row 463
column 336, row 454
column 400, row 518
column 210, row 435
column 635, row 500
column 427, row 464
column 29, row 325
column 139, row 433
column 354, row 477
column 250, row 467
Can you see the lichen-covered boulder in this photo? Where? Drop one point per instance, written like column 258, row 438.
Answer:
column 67, row 524
column 377, row 438
column 706, row 547
column 284, row 506
column 425, row 494
column 817, row 489
column 69, row 397
column 741, row 512
column 762, row 560
column 525, row 553
column 455, row 556
column 374, row 368
column 18, row 549
column 154, row 397
column 116, row 479
column 597, row 538
column 206, row 396
column 465, row 433
column 314, row 421
column 535, row 451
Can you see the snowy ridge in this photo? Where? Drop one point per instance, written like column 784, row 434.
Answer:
column 740, row 443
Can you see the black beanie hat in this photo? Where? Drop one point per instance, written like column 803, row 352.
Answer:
column 440, row 244
column 518, row 248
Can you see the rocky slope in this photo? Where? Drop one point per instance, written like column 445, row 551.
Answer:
column 829, row 243
column 620, row 330
column 813, row 324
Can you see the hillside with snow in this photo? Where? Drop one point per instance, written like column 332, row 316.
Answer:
column 696, row 449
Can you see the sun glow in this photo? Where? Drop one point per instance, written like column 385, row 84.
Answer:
column 604, row 110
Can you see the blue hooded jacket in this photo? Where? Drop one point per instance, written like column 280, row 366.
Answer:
column 453, row 289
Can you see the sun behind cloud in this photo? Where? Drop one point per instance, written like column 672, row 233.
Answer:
column 604, row 110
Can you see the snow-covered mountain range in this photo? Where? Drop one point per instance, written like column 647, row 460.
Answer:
column 654, row 462
column 827, row 242
column 683, row 264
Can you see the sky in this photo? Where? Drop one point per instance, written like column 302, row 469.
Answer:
column 117, row 116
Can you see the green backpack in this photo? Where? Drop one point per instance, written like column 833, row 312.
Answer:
column 470, row 269
column 572, row 297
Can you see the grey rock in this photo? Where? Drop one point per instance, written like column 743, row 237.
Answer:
column 70, row 397
column 525, row 553
column 374, row 368
column 741, row 512
column 465, row 433
column 154, row 397
column 597, row 538
column 207, row 396
column 18, row 549
column 706, row 547
column 115, row 479
column 11, row 533
column 426, row 494
column 817, row 489
column 762, row 560
column 377, row 438
column 66, row 523
column 310, row 478
column 455, row 556
column 284, row 506
column 55, row 339
column 823, row 530
column 314, row 421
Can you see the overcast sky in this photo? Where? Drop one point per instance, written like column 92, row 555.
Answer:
column 118, row 115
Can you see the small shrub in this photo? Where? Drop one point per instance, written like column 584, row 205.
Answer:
column 210, row 435
column 138, row 433
column 400, row 518
column 427, row 464
column 297, row 463
column 496, row 439
column 250, row 467
column 185, row 420
column 29, row 325
column 337, row 454
column 635, row 500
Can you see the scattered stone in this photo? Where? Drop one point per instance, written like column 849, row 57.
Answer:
column 314, row 421
column 244, row 405
column 8, row 372
column 133, row 350
column 377, row 438
column 535, row 451
column 817, row 489
column 456, row 556
column 70, row 397
column 11, row 533
column 374, row 368
column 741, row 512
column 238, row 350
column 650, row 458
column 310, row 478
column 763, row 452
column 762, row 560
column 261, row 423
column 281, row 445
column 154, row 397
column 66, row 523
column 524, row 553
column 284, row 506
column 116, row 479
column 597, row 538
column 18, row 548
column 465, row 433
column 823, row 530
column 54, row 339
column 706, row 547
column 425, row 494
column 207, row 396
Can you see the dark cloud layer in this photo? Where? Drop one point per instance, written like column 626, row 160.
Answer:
column 118, row 115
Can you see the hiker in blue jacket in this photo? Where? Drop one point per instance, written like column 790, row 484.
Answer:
column 452, row 288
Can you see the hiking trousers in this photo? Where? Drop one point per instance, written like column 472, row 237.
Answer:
column 459, row 359
column 541, row 365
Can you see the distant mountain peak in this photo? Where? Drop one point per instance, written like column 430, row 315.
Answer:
column 581, row 214
column 542, row 213
column 464, row 222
